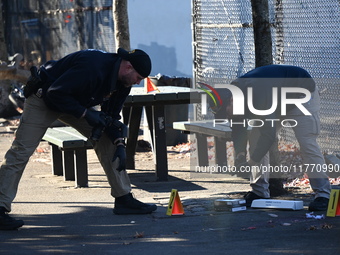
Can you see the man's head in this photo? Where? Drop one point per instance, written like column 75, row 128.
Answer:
column 136, row 65
column 224, row 110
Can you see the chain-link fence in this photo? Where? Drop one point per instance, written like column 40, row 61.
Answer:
column 49, row 29
column 304, row 33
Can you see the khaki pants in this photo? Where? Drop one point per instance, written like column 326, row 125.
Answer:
column 306, row 132
column 35, row 120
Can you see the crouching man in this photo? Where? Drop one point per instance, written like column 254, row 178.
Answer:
column 256, row 98
column 67, row 90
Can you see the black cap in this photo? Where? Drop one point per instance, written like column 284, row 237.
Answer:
column 140, row 61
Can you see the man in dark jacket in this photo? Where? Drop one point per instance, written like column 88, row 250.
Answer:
column 67, row 90
column 274, row 96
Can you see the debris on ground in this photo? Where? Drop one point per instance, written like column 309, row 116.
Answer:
column 311, row 215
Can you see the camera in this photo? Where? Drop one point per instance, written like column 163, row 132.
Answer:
column 115, row 129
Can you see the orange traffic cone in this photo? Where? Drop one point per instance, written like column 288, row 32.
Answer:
column 149, row 86
column 175, row 206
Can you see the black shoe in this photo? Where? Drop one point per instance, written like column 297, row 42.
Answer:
column 250, row 197
column 319, row 204
column 7, row 222
column 127, row 204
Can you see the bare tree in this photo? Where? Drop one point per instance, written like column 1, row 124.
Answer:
column 264, row 56
column 262, row 33
column 121, row 24
column 122, row 34
column 80, row 23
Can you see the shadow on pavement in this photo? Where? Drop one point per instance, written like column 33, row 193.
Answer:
column 95, row 230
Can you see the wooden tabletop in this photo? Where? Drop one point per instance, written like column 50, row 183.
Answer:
column 165, row 95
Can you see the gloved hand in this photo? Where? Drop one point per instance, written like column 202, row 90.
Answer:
column 34, row 82
column 120, row 154
column 95, row 118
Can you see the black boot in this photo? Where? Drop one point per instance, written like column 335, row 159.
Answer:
column 7, row 222
column 319, row 204
column 127, row 204
column 250, row 197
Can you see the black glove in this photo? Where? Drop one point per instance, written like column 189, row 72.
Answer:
column 121, row 155
column 34, row 82
column 95, row 118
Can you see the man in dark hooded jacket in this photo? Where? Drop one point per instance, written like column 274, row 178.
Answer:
column 67, row 90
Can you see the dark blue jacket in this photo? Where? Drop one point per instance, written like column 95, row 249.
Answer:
column 81, row 80
column 262, row 80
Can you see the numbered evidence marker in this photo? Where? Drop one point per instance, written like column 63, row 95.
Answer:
column 334, row 203
column 149, row 86
column 175, row 206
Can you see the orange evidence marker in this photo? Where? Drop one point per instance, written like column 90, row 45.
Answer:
column 149, row 86
column 175, row 206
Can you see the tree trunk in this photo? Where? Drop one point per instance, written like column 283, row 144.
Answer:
column 121, row 24
column 80, row 23
column 264, row 56
column 262, row 34
column 122, row 34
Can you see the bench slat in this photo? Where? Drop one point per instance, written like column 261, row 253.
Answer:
column 66, row 138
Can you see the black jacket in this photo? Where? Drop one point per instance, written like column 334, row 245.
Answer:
column 262, row 80
column 81, row 80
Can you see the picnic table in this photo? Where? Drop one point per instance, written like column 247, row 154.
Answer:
column 154, row 103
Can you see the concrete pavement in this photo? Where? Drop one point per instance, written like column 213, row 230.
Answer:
column 61, row 219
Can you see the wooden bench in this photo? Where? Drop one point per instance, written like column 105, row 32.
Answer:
column 68, row 151
column 204, row 129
